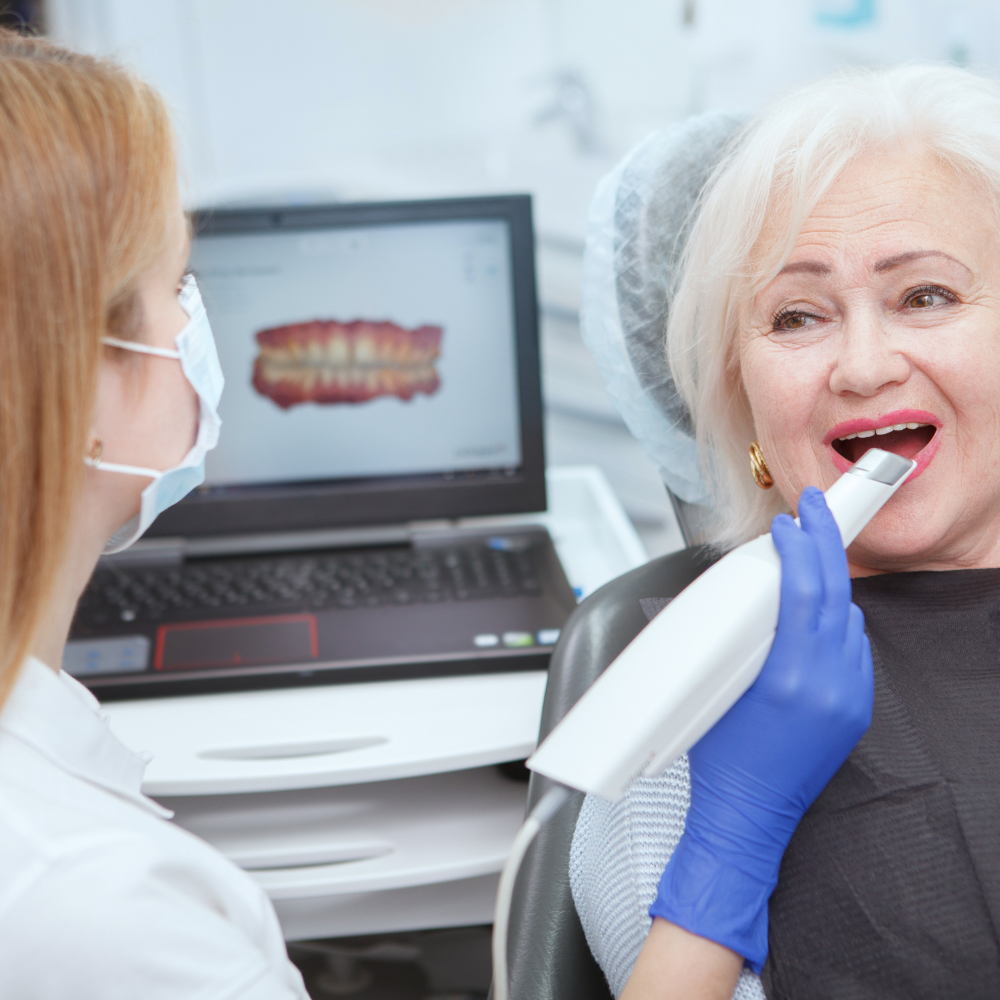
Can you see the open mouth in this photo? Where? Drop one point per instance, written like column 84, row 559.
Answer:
column 906, row 439
column 910, row 434
column 329, row 362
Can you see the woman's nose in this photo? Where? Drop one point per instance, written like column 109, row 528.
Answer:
column 868, row 358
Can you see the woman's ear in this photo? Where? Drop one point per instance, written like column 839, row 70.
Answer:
column 95, row 446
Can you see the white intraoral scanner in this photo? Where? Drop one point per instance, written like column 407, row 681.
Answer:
column 694, row 660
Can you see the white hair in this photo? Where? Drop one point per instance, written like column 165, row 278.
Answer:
column 776, row 168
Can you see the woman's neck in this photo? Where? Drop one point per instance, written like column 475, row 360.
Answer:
column 85, row 547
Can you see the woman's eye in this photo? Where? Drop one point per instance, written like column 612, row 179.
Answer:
column 793, row 321
column 928, row 298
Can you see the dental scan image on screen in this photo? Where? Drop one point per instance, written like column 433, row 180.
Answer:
column 335, row 362
column 363, row 352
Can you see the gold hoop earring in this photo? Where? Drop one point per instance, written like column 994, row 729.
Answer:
column 761, row 473
column 96, row 450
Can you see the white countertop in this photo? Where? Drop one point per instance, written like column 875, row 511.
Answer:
column 341, row 734
column 364, row 838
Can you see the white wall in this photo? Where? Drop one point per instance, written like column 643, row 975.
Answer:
column 386, row 98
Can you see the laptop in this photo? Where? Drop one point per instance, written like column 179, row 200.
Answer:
column 382, row 383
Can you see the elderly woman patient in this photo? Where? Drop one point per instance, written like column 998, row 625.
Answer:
column 837, row 834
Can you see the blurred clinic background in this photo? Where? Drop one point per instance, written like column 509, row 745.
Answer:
column 294, row 101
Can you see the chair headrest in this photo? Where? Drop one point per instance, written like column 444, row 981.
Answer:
column 638, row 225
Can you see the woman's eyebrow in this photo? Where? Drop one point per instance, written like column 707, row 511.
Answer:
column 898, row 260
column 806, row 266
column 885, row 264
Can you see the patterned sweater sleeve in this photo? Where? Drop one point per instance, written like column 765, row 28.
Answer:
column 619, row 852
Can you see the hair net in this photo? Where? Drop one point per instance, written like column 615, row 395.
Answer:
column 639, row 221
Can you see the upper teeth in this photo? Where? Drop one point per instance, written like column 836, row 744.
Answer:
column 882, row 430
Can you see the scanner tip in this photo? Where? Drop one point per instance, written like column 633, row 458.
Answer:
column 883, row 467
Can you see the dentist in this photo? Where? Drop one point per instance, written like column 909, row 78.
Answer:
column 109, row 383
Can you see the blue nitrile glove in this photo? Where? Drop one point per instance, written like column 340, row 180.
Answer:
column 757, row 771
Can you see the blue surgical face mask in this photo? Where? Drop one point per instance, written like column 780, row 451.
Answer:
column 200, row 364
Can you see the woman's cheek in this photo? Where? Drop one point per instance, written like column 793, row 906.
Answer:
column 785, row 390
column 775, row 385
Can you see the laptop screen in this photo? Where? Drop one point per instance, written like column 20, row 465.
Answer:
column 362, row 351
column 381, row 366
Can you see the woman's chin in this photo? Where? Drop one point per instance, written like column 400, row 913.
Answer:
column 902, row 536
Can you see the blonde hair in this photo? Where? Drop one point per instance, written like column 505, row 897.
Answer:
column 776, row 169
column 86, row 179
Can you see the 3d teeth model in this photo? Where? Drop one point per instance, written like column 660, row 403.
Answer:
column 881, row 430
column 328, row 362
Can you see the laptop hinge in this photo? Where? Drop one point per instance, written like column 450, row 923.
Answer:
column 174, row 550
column 149, row 551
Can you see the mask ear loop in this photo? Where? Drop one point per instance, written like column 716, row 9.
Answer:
column 128, row 470
column 93, row 459
column 131, row 345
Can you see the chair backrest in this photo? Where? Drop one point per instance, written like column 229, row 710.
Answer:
column 549, row 957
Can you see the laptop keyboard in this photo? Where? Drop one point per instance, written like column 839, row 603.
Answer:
column 372, row 578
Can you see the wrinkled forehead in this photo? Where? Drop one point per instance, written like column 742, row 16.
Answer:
column 879, row 205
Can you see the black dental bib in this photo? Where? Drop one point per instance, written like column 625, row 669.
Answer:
column 890, row 887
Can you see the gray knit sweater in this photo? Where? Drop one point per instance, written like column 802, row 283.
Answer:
column 618, row 855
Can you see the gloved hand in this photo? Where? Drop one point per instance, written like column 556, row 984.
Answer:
column 757, row 771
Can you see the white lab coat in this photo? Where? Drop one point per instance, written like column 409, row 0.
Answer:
column 101, row 897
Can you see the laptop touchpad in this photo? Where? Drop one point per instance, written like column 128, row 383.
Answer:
column 237, row 642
